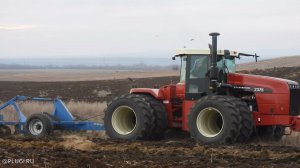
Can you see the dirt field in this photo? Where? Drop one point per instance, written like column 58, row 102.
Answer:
column 80, row 151
column 94, row 150
column 51, row 75
column 290, row 61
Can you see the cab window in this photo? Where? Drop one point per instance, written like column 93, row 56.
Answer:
column 183, row 68
column 199, row 66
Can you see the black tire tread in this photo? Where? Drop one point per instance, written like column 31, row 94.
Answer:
column 234, row 113
column 47, row 121
column 146, row 111
column 160, row 115
column 246, row 120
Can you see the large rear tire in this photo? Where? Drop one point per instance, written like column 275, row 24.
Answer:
column 129, row 117
column 160, row 115
column 214, row 119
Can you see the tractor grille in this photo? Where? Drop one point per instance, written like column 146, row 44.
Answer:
column 294, row 101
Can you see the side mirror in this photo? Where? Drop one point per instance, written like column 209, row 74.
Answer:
column 173, row 58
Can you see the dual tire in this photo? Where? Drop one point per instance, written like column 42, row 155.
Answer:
column 220, row 119
column 135, row 117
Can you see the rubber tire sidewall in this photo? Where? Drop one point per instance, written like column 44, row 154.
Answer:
column 137, row 132
column 160, row 114
column 226, row 118
column 47, row 126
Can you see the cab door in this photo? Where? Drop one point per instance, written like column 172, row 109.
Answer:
column 197, row 80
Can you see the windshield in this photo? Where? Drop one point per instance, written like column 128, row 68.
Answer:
column 226, row 64
column 230, row 63
column 199, row 66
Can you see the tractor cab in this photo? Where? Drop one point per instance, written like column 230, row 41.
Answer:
column 195, row 67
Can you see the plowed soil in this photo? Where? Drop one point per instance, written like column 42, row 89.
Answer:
column 90, row 91
column 77, row 151
column 94, row 150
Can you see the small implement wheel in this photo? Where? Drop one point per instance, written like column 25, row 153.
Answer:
column 38, row 126
column 4, row 131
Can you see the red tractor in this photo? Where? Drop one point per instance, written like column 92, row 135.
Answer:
column 212, row 102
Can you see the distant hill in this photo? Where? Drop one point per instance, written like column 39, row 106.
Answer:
column 289, row 61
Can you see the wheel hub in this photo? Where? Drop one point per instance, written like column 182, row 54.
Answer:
column 124, row 120
column 210, row 122
column 36, row 127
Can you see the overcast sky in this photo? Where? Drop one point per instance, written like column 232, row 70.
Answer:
column 74, row 28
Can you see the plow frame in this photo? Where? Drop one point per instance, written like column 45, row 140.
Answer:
column 62, row 117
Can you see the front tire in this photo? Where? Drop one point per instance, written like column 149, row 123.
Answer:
column 129, row 117
column 214, row 119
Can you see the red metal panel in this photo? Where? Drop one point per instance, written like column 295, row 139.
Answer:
column 180, row 90
column 277, row 102
column 186, row 110
column 272, row 119
column 276, row 84
column 154, row 92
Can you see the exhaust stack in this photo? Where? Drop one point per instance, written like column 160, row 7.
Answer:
column 214, row 71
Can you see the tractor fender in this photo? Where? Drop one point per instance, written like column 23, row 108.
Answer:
column 153, row 92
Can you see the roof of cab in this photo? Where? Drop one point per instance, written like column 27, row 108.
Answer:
column 180, row 52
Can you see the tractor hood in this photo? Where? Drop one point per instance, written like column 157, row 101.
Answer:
column 261, row 83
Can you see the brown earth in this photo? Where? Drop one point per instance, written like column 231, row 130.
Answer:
column 52, row 75
column 291, row 73
column 104, row 90
column 76, row 151
column 91, row 91
column 289, row 61
column 92, row 150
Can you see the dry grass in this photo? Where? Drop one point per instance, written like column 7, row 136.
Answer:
column 82, row 110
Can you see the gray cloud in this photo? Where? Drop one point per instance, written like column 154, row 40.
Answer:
column 98, row 27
